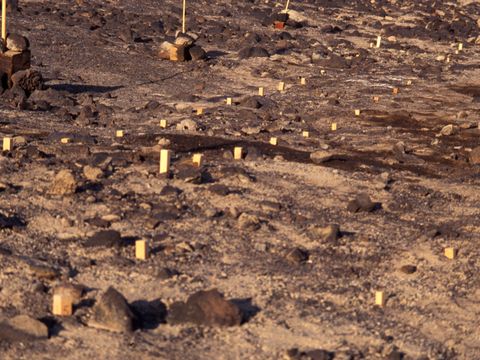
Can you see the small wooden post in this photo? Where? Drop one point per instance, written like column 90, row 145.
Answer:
column 65, row 140
column 141, row 249
column 303, row 81
column 119, row 133
column 450, row 253
column 163, row 124
column 237, row 153
column 334, row 126
column 460, row 47
column 305, row 134
column 200, row 111
column 4, row 22
column 376, row 99
column 62, row 305
column 273, row 141
column 379, row 42
column 380, row 298
column 395, row 91
column 261, row 91
column 197, row 160
column 357, row 112
column 229, row 101
column 7, row 144
column 281, row 86
column 164, row 161
column 409, row 82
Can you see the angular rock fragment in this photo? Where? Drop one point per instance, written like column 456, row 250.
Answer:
column 362, row 203
column 112, row 313
column 16, row 42
column 248, row 222
column 206, row 308
column 251, row 52
column 105, row 238
column 29, row 80
column 30, row 326
column 297, row 256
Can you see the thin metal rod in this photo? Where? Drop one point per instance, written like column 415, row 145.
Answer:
column 184, row 15
column 4, row 22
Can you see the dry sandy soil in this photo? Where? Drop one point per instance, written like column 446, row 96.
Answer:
column 232, row 225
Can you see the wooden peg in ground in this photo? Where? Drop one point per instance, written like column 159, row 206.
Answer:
column 197, row 160
column 119, row 133
column 165, row 161
column 62, row 305
column 7, row 143
column 281, row 86
column 237, row 153
column 163, row 124
column 261, row 91
column 141, row 249
column 450, row 253
column 380, row 298
column 305, row 134
column 273, row 141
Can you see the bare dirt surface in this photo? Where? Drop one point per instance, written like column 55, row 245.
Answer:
column 260, row 230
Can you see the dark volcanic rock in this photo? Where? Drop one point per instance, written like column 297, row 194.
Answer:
column 29, row 80
column 112, row 313
column 251, row 52
column 205, row 308
column 16, row 42
column 297, row 256
column 197, row 53
column 107, row 238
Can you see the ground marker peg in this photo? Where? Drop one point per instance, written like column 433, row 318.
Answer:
column 237, row 153
column 303, row 81
column 334, row 126
column 450, row 253
column 229, row 101
column 119, row 133
column 7, row 144
column 141, row 249
column 409, row 82
column 357, row 112
column 380, row 298
column 197, row 159
column 163, row 124
column 164, row 161
column 305, row 134
column 281, row 86
column 200, row 111
column 379, row 42
column 376, row 99
column 273, row 141
column 62, row 305
column 460, row 47
column 184, row 16
column 65, row 140
column 261, row 91
column 395, row 91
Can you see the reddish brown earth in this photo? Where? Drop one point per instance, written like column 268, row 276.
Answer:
column 255, row 229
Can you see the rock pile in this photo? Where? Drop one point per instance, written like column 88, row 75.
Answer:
column 182, row 49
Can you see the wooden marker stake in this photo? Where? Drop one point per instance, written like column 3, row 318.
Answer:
column 303, row 81
column 357, row 112
column 62, row 305
column 4, row 22
column 273, row 141
column 200, row 111
column 409, row 82
column 380, row 298
column 334, row 126
column 281, row 86
column 460, row 47
column 237, row 153
column 164, row 161
column 261, row 91
column 376, row 99
column 65, row 140
column 305, row 134
column 163, row 124
column 119, row 133
column 184, row 16
column 450, row 253
column 395, row 91
column 141, row 249
column 197, row 160
column 379, row 42
column 7, row 144
column 229, row 101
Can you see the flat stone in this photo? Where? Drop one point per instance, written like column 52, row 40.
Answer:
column 474, row 157
column 297, row 256
column 16, row 42
column 320, row 156
column 112, row 313
column 361, row 203
column 30, row 326
column 206, row 308
column 248, row 222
